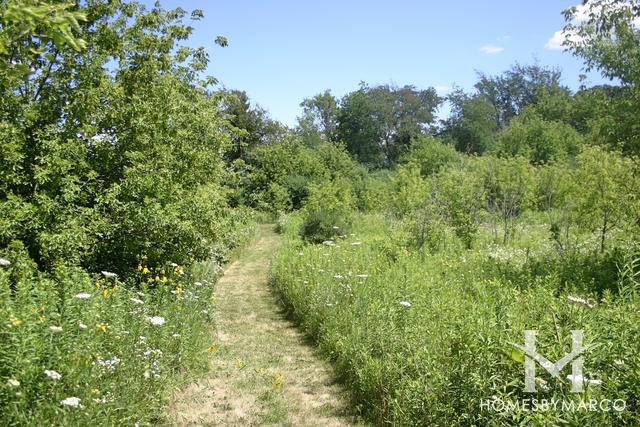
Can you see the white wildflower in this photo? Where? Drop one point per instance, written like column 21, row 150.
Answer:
column 362, row 276
column 405, row 304
column 176, row 335
column 83, row 295
column 335, row 227
column 82, row 325
column 338, row 276
column 4, row 262
column 580, row 301
column 328, row 243
column 619, row 362
column 173, row 264
column 110, row 364
column 136, row 300
column 197, row 283
column 52, row 374
column 73, row 402
column 356, row 243
column 13, row 383
column 157, row 320
column 55, row 329
column 108, row 274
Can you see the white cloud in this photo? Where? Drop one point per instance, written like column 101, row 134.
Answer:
column 555, row 42
column 443, row 89
column 491, row 49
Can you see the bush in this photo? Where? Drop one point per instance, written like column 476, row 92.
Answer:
column 323, row 225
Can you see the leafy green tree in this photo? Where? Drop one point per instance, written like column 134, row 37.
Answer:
column 510, row 92
column 252, row 125
column 607, row 40
column 429, row 155
column 604, row 202
column 319, row 120
column 541, row 141
column 378, row 123
column 509, row 188
column 472, row 126
column 460, row 195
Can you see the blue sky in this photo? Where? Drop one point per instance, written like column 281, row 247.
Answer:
column 283, row 51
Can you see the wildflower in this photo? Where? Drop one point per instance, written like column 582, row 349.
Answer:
column 240, row 364
column 145, row 270
column 13, row 383
column 82, row 325
column 405, row 304
column 139, row 267
column 580, row 301
column 136, row 300
column 173, row 264
column 83, row 295
column 42, row 318
column 335, row 227
column 157, row 278
column 178, row 290
column 73, row 402
column 4, row 262
column 55, row 329
column 619, row 362
column 110, row 364
column 356, row 243
column 157, row 320
column 164, row 279
column 52, row 374
column 362, row 276
column 108, row 274
column 338, row 276
column 15, row 321
column 277, row 381
column 102, row 327
column 212, row 349
column 197, row 283
column 176, row 335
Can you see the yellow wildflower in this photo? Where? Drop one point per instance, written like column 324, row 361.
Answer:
column 145, row 270
column 212, row 349
column 240, row 364
column 157, row 279
column 15, row 321
column 178, row 290
column 102, row 327
column 139, row 267
column 164, row 279
column 277, row 381
column 42, row 318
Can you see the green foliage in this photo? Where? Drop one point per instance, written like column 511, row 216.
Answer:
column 328, row 211
column 378, row 123
column 460, row 196
column 541, row 141
column 430, row 155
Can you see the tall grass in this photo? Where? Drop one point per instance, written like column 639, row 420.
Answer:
column 423, row 338
column 97, row 349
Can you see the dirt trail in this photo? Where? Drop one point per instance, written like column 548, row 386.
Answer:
column 263, row 372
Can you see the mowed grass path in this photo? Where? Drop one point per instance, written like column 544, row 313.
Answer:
column 264, row 371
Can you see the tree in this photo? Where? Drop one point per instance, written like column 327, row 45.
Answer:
column 607, row 38
column 253, row 126
column 460, row 195
column 472, row 125
column 378, row 123
column 510, row 92
column 539, row 140
column 603, row 199
column 319, row 119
